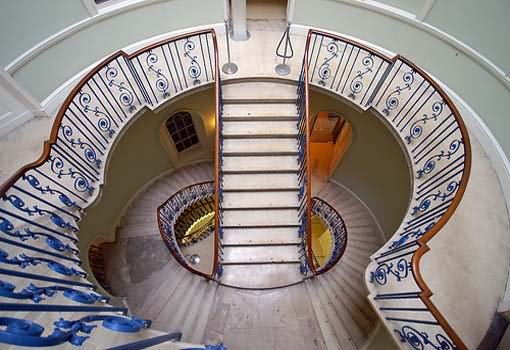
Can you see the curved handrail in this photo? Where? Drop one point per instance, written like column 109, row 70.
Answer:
column 167, row 217
column 68, row 175
column 337, row 228
column 366, row 77
column 76, row 90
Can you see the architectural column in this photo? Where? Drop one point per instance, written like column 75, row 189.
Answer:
column 290, row 10
column 239, row 21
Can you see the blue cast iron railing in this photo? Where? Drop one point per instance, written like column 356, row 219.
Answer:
column 169, row 212
column 435, row 140
column 41, row 205
column 337, row 229
column 218, row 180
column 304, row 175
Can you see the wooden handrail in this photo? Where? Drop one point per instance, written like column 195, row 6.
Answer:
column 426, row 293
column 161, row 230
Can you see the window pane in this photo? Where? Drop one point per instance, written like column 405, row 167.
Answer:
column 181, row 129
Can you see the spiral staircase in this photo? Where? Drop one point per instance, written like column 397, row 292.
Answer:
column 261, row 179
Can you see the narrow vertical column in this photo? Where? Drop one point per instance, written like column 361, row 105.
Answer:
column 239, row 22
column 290, row 10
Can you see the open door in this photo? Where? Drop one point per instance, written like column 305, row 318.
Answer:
column 330, row 137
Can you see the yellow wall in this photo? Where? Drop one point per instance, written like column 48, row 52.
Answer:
column 321, row 240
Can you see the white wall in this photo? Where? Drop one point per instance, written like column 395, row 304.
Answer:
column 24, row 23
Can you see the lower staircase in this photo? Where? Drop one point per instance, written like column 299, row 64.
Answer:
column 329, row 311
column 261, row 246
column 140, row 268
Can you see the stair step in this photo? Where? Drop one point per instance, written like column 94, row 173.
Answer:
column 262, row 262
column 262, row 171
column 260, row 218
column 259, row 181
column 251, row 118
column 260, row 199
column 259, row 128
column 260, row 110
column 260, row 154
column 260, row 276
column 274, row 235
column 259, row 89
column 260, row 254
column 255, row 190
column 270, row 226
column 269, row 164
column 249, row 207
column 291, row 136
column 270, row 244
column 260, row 101
column 260, row 145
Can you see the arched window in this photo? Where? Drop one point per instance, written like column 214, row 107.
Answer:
column 180, row 127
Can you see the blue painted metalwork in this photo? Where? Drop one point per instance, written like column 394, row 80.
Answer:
column 81, row 184
column 399, row 271
column 19, row 204
column 194, row 69
column 24, row 261
column 64, row 199
column 39, row 250
column 430, row 164
column 126, row 96
column 422, row 340
column 45, row 278
column 28, row 333
column 439, row 195
column 36, row 293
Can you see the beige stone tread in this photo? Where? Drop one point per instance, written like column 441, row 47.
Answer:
column 261, row 276
column 259, row 181
column 256, row 254
column 275, row 235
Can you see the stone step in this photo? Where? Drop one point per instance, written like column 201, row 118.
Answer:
column 251, row 100
column 260, row 110
column 259, row 90
column 269, row 164
column 275, row 235
column 254, row 128
column 261, row 181
column 269, row 145
column 261, row 276
column 260, row 218
column 260, row 254
column 260, row 199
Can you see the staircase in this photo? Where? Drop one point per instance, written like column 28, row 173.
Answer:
column 339, row 295
column 261, row 246
column 140, row 267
